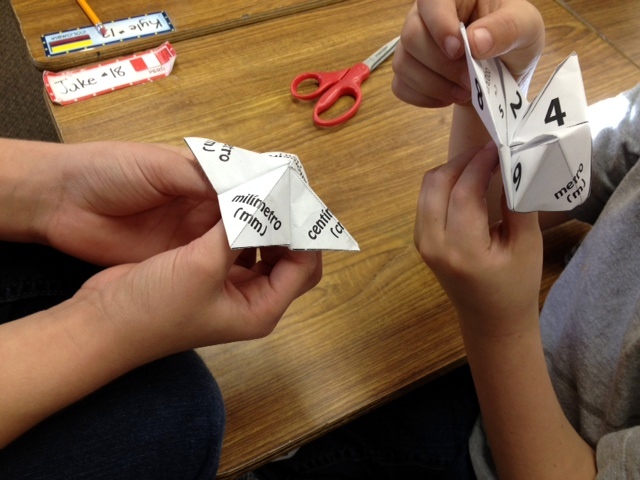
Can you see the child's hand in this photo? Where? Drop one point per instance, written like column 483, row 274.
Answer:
column 429, row 62
column 491, row 273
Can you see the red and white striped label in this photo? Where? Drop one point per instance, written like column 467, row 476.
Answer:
column 71, row 86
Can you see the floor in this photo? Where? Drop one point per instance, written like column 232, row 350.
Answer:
column 23, row 111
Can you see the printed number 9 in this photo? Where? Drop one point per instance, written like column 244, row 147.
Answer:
column 480, row 97
column 517, row 175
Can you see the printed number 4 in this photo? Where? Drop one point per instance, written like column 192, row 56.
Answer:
column 555, row 113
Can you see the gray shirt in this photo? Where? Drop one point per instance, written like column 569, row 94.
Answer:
column 590, row 322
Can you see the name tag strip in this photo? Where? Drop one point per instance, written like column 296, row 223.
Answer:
column 85, row 38
column 71, row 86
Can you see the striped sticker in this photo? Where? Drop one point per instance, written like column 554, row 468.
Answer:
column 71, row 86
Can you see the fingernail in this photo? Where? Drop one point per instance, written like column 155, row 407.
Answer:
column 483, row 40
column 451, row 46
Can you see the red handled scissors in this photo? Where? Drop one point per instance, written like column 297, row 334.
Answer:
column 342, row 83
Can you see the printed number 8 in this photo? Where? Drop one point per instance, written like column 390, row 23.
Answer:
column 517, row 175
column 480, row 97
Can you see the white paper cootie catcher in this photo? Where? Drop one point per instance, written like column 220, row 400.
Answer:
column 265, row 199
column 545, row 145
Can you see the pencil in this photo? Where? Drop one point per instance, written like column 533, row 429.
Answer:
column 92, row 16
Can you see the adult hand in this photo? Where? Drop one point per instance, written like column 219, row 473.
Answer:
column 116, row 202
column 429, row 62
column 199, row 294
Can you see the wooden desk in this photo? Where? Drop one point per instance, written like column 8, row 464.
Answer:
column 616, row 22
column 378, row 324
column 190, row 19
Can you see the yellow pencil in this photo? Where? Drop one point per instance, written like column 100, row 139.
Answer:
column 92, row 16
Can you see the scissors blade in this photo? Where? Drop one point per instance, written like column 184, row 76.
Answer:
column 382, row 54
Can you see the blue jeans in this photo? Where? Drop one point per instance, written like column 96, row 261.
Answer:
column 164, row 420
column 422, row 435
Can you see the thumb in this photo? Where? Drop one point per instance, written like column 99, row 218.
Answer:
column 212, row 249
column 515, row 33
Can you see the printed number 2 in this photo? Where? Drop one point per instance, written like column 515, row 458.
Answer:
column 555, row 113
column 516, row 106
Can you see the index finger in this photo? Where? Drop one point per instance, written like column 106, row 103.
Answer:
column 435, row 195
column 468, row 215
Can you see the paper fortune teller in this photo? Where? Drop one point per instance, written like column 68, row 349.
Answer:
column 545, row 145
column 265, row 199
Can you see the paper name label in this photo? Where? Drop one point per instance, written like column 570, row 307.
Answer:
column 545, row 145
column 85, row 38
column 74, row 85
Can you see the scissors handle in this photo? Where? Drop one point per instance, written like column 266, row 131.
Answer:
column 324, row 80
column 348, row 86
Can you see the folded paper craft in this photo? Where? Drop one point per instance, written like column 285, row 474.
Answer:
column 545, row 145
column 265, row 199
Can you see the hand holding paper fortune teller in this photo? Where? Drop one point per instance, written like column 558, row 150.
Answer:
column 544, row 144
column 490, row 269
column 170, row 282
column 429, row 62
column 552, row 387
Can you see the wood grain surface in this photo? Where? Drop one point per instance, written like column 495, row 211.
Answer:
column 190, row 19
column 378, row 324
column 616, row 22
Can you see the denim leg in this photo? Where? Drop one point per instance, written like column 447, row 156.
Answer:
column 35, row 277
column 164, row 420
column 423, row 434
